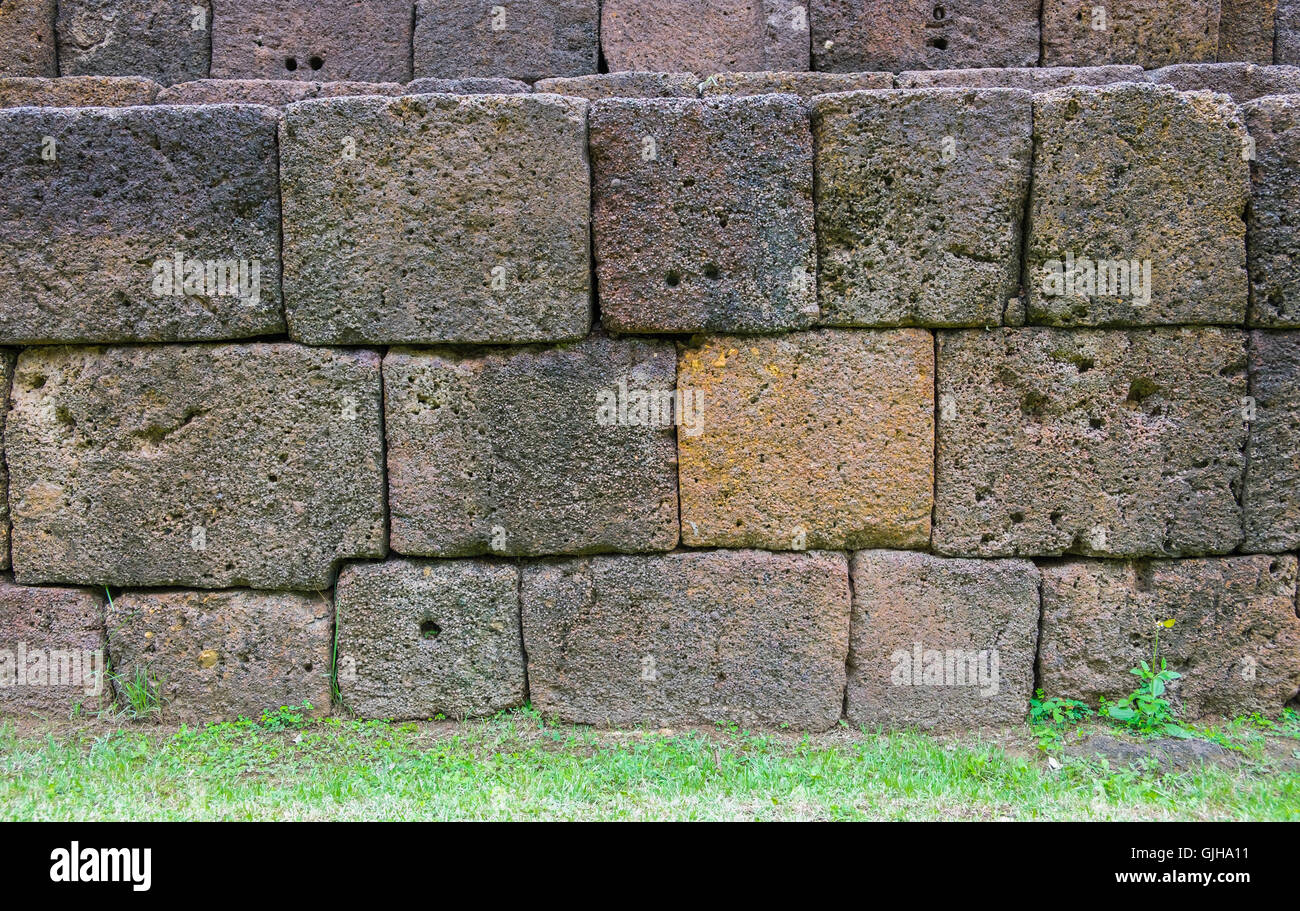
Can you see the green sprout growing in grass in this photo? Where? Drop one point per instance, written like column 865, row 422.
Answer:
column 1145, row 709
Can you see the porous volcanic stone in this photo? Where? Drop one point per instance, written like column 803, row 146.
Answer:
column 854, row 35
column 509, row 451
column 940, row 644
column 419, row 638
column 1235, row 639
column 208, row 466
column 920, row 195
column 1273, row 222
column 716, row 37
column 1090, row 442
column 98, row 203
column 76, row 91
column 165, row 40
column 1246, row 30
column 624, row 85
column 805, row 85
column 37, row 621
column 436, row 218
column 1272, row 498
column 1031, row 78
column 7, row 359
column 1138, row 173
column 1148, row 33
column 274, row 92
column 1243, row 81
column 516, row 39
column 703, row 214
column 688, row 638
column 815, row 439
column 27, row 43
column 225, row 655
column 324, row 40
column 1286, row 41
column 486, row 85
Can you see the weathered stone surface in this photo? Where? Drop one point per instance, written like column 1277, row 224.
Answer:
column 224, row 655
column 1246, row 30
column 1149, row 33
column 92, row 234
column 487, row 85
column 324, row 40
column 1089, row 442
column 1286, row 40
column 419, row 638
column 274, row 92
column 805, row 85
column 1235, row 640
column 208, row 466
column 517, row 39
column 702, row 213
column 1272, row 498
column 6, row 381
column 76, row 91
column 688, row 638
column 716, row 37
column 940, row 644
column 816, row 439
column 1030, row 78
column 511, row 451
column 920, row 195
column 855, row 35
column 436, row 218
column 27, row 44
column 1137, row 174
column 37, row 621
column 1243, row 81
column 1273, row 221
column 167, row 41
column 624, row 85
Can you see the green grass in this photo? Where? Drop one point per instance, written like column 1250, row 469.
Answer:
column 516, row 766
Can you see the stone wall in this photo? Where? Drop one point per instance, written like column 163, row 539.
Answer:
column 390, row 382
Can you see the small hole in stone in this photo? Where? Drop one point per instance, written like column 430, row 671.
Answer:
column 711, row 272
column 315, row 63
column 290, row 64
column 940, row 44
column 429, row 629
column 1017, row 517
column 939, row 12
column 673, row 279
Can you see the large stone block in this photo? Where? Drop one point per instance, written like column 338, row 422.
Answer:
column 805, row 85
column 470, row 85
column 76, row 91
column 1246, row 30
column 1136, row 214
column 27, row 43
column 703, row 214
column 419, row 638
column 531, row 451
column 167, row 41
column 817, row 439
column 1243, row 81
column 716, row 37
column 436, row 218
column 52, row 655
column 1148, row 33
column 138, row 224
column 1273, row 221
column 517, row 39
column 273, row 92
column 7, row 359
column 1272, row 491
column 940, row 644
column 854, row 35
column 1286, row 40
column 624, row 85
column 1102, row 443
column 324, row 40
column 920, row 196
column 1030, row 78
column 1235, row 638
column 688, row 638
column 209, row 466
column 212, row 656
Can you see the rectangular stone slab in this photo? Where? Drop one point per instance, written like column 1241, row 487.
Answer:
column 1246, row 30
column 1148, row 33
column 52, row 651
column 1235, row 638
column 1142, row 174
column 623, row 85
column 27, row 43
column 1286, row 41
column 7, row 359
column 470, row 85
column 702, row 214
column 1273, row 222
column 813, row 439
column 1272, row 491
column 688, row 638
column 529, row 451
column 215, row 466
column 436, row 218
column 420, row 638
column 940, row 644
column 1031, row 78
column 805, row 85
column 1103, row 443
column 274, row 92
column 716, row 37
column 920, row 195
column 99, row 205
column 76, row 91
column 213, row 656
column 324, row 40
column 165, row 40
column 1243, row 81
column 517, row 39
